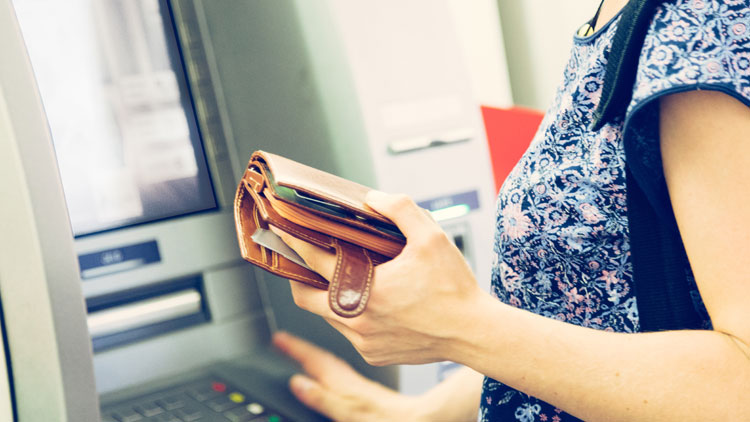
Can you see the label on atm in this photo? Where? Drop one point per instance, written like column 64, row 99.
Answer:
column 115, row 260
column 451, row 206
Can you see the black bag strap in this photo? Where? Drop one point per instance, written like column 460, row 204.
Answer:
column 657, row 252
column 658, row 257
column 623, row 58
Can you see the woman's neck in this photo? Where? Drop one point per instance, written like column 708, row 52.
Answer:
column 610, row 8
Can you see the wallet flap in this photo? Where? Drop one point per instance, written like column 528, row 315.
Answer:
column 352, row 234
column 349, row 288
column 319, row 184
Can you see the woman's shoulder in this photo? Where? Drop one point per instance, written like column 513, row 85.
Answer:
column 696, row 44
column 685, row 20
column 702, row 25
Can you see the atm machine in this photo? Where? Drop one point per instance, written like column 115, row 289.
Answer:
column 121, row 282
column 125, row 125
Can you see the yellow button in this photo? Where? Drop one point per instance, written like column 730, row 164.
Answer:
column 236, row 397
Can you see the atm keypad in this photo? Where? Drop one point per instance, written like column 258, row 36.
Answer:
column 206, row 400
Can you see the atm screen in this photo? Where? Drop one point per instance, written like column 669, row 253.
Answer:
column 119, row 110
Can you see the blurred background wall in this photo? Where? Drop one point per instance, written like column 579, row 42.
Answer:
column 538, row 36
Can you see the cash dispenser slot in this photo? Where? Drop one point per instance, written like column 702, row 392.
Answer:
column 124, row 317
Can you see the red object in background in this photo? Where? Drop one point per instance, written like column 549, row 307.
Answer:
column 509, row 133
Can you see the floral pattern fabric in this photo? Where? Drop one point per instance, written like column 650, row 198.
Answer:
column 562, row 246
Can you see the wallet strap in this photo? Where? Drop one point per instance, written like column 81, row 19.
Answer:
column 349, row 289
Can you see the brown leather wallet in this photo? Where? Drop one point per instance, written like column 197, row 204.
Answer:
column 322, row 209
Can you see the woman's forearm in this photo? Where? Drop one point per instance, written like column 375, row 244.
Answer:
column 455, row 399
column 598, row 375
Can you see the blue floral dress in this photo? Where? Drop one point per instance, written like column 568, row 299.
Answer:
column 562, row 246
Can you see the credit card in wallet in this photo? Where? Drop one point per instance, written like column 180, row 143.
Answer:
column 270, row 240
column 292, row 195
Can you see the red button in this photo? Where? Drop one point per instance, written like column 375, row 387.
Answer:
column 219, row 387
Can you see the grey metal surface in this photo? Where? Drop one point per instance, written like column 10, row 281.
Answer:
column 274, row 98
column 42, row 301
column 238, row 325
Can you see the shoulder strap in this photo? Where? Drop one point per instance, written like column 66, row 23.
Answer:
column 623, row 58
column 658, row 258
column 657, row 252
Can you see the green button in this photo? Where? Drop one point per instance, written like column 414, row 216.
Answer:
column 274, row 418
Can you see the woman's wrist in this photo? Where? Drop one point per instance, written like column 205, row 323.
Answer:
column 469, row 336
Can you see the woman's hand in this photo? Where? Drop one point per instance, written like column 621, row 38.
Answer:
column 335, row 390
column 418, row 299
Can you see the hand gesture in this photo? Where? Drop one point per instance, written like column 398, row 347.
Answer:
column 335, row 390
column 417, row 299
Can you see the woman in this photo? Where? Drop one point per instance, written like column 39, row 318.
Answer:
column 565, row 339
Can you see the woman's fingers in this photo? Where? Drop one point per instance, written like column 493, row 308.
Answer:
column 320, row 260
column 401, row 209
column 310, row 298
column 321, row 399
column 317, row 362
column 331, row 386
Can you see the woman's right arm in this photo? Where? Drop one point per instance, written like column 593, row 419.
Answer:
column 456, row 398
column 331, row 387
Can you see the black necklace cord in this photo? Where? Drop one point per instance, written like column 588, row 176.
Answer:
column 622, row 64
column 595, row 19
column 589, row 27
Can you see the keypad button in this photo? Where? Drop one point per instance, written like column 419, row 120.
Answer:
column 239, row 414
column 268, row 418
column 148, row 409
column 189, row 413
column 219, row 387
column 221, row 404
column 236, row 397
column 164, row 417
column 255, row 408
column 171, row 402
column 203, row 393
column 126, row 415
